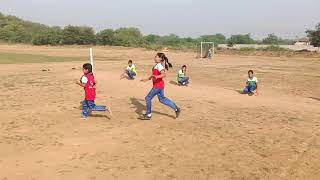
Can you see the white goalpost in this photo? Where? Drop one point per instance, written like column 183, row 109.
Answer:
column 208, row 51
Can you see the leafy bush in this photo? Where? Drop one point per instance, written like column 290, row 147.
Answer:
column 268, row 48
column 15, row 30
column 314, row 36
column 80, row 35
column 50, row 36
column 240, row 39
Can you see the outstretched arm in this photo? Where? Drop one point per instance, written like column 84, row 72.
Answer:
column 146, row 79
column 80, row 84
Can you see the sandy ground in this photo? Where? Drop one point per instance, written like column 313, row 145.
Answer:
column 221, row 134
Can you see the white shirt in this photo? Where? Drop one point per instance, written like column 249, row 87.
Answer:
column 84, row 80
column 181, row 73
column 159, row 67
column 254, row 79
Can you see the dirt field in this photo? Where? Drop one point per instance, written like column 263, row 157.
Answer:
column 221, row 134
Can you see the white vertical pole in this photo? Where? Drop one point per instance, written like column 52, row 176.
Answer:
column 213, row 49
column 201, row 51
column 91, row 58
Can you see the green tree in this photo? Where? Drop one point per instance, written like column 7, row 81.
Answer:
column 15, row 32
column 50, row 36
column 272, row 39
column 152, row 39
column 170, row 40
column 314, row 36
column 128, row 37
column 105, row 37
column 80, row 35
column 3, row 21
column 217, row 38
column 240, row 39
column 13, row 29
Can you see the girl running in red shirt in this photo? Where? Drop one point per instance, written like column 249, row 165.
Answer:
column 158, row 73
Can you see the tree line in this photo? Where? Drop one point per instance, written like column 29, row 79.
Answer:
column 16, row 30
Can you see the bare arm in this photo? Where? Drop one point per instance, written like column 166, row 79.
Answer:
column 80, row 84
column 147, row 79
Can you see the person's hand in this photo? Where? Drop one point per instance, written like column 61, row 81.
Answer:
column 256, row 93
column 144, row 80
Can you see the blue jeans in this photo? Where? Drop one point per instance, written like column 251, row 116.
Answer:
column 131, row 74
column 160, row 93
column 184, row 81
column 249, row 89
column 88, row 106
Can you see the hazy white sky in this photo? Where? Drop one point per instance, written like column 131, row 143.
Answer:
column 287, row 18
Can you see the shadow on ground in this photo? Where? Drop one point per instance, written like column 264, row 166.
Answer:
column 174, row 83
column 235, row 90
column 314, row 98
column 100, row 116
column 140, row 107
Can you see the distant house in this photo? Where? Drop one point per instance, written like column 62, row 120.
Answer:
column 302, row 41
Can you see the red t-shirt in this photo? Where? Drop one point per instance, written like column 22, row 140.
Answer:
column 157, row 83
column 90, row 88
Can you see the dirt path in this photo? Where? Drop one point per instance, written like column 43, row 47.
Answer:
column 221, row 134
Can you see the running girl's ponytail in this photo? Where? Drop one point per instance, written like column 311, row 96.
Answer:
column 164, row 59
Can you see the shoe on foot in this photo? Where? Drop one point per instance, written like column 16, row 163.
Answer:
column 84, row 118
column 109, row 110
column 178, row 111
column 145, row 117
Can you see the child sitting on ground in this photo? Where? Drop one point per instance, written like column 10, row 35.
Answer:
column 251, row 85
column 88, row 82
column 182, row 78
column 130, row 71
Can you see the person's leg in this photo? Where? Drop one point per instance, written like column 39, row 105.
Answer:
column 153, row 92
column 99, row 108
column 91, row 107
column 185, row 80
column 131, row 74
column 128, row 73
column 85, row 109
column 182, row 81
column 246, row 90
column 253, row 87
column 169, row 103
column 166, row 101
